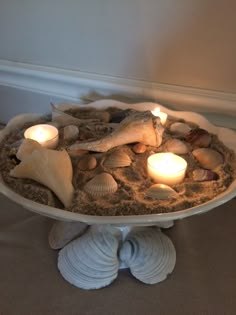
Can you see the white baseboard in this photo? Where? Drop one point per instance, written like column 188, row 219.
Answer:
column 72, row 85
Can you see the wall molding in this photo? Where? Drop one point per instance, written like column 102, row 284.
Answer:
column 72, row 85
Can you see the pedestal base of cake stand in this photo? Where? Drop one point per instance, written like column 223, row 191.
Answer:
column 91, row 256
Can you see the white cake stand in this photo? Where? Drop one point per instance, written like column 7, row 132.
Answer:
column 94, row 248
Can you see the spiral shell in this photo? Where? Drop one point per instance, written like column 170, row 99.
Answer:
column 176, row 146
column 199, row 137
column 180, row 129
column 161, row 191
column 149, row 254
column 101, row 185
column 117, row 159
column 208, row 158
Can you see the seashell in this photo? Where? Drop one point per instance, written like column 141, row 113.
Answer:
column 138, row 127
column 201, row 175
column 139, row 148
column 117, row 159
column 75, row 153
column 208, row 158
column 180, row 129
column 161, row 191
column 149, row 254
column 176, row 146
column 62, row 233
column 91, row 262
column 50, row 168
column 87, row 163
column 26, row 148
column 199, row 137
column 101, row 185
column 70, row 132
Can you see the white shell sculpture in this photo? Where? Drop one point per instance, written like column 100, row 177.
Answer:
column 149, row 254
column 91, row 262
column 62, row 233
column 26, row 148
column 51, row 168
column 138, row 127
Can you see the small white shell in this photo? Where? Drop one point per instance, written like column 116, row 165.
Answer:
column 176, row 146
column 208, row 158
column 161, row 191
column 101, row 185
column 117, row 159
column 70, row 132
column 180, row 129
column 149, row 254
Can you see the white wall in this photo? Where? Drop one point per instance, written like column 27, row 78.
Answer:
column 184, row 42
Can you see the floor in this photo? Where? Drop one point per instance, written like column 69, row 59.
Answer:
column 203, row 281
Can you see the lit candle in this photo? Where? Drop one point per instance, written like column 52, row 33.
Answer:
column 46, row 135
column 163, row 116
column 166, row 168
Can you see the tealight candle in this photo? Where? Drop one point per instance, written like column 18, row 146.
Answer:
column 46, row 135
column 163, row 116
column 166, row 168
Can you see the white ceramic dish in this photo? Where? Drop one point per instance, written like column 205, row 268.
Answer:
column 227, row 136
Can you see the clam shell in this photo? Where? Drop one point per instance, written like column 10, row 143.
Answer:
column 180, row 129
column 70, row 132
column 87, row 163
column 176, row 146
column 149, row 254
column 199, row 137
column 201, row 175
column 90, row 261
column 161, row 191
column 208, row 158
column 101, row 185
column 117, row 159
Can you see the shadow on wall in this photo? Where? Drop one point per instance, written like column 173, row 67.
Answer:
column 198, row 51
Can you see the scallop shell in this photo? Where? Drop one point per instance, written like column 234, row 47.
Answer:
column 70, row 132
column 87, row 163
column 208, row 158
column 117, row 159
column 62, row 233
column 180, row 129
column 199, row 137
column 101, row 185
column 50, row 168
column 176, row 146
column 91, row 262
column 161, row 191
column 26, row 148
column 149, row 254
column 201, row 175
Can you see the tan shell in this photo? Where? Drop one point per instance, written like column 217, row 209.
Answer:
column 176, row 146
column 180, row 129
column 117, row 159
column 199, row 137
column 201, row 175
column 87, row 163
column 26, row 148
column 101, row 185
column 208, row 158
column 139, row 148
column 161, row 191
column 70, row 132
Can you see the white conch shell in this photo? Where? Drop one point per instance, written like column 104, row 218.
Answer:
column 138, row 127
column 91, row 262
column 62, row 233
column 51, row 168
column 149, row 254
column 26, row 148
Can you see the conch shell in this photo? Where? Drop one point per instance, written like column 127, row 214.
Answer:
column 26, row 148
column 50, row 168
column 139, row 127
